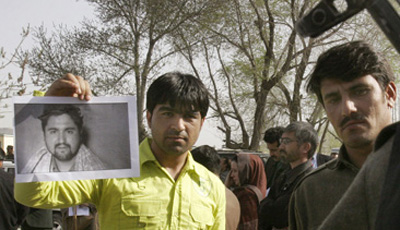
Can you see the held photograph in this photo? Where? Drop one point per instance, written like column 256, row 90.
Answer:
column 64, row 138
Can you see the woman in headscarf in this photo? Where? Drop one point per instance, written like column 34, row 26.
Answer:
column 248, row 182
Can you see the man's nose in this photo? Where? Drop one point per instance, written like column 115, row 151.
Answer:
column 178, row 123
column 348, row 107
column 61, row 137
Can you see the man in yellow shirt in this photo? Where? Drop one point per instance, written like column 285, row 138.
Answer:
column 173, row 191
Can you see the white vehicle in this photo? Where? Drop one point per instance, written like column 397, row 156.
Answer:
column 8, row 166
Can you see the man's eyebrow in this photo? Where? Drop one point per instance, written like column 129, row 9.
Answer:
column 330, row 95
column 357, row 86
column 175, row 110
column 56, row 128
column 166, row 108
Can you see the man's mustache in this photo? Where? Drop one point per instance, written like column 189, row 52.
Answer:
column 173, row 132
column 62, row 145
column 353, row 116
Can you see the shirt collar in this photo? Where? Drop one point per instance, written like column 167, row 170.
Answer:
column 146, row 155
column 343, row 160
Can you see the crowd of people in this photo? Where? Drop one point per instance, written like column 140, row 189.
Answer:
column 297, row 188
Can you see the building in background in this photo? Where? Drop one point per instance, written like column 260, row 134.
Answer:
column 6, row 138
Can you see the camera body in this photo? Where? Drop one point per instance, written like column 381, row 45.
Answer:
column 325, row 16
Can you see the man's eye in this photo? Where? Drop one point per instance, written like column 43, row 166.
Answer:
column 51, row 131
column 361, row 92
column 333, row 100
column 70, row 132
column 168, row 114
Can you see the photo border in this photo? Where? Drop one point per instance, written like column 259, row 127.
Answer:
column 133, row 171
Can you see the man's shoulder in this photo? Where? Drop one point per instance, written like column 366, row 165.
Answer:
column 40, row 161
column 386, row 134
column 319, row 174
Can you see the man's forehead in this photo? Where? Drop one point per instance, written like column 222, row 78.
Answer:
column 272, row 145
column 288, row 134
column 329, row 85
column 177, row 108
column 58, row 120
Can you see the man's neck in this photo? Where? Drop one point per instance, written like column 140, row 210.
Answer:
column 294, row 164
column 64, row 166
column 172, row 163
column 357, row 156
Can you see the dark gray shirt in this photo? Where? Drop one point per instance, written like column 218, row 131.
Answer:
column 358, row 208
column 319, row 191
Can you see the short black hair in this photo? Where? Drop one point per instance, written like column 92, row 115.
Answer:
column 273, row 135
column 182, row 91
column 59, row 109
column 208, row 157
column 347, row 62
column 304, row 133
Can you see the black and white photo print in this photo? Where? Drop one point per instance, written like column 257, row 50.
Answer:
column 63, row 138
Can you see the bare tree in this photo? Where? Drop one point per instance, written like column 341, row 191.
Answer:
column 252, row 50
column 11, row 84
column 120, row 51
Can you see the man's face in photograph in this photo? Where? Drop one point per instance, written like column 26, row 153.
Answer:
column 62, row 137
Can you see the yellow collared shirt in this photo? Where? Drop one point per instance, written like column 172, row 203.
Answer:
column 196, row 200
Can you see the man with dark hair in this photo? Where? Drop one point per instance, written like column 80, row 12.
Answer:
column 297, row 145
column 208, row 156
column 12, row 213
column 355, row 85
column 10, row 152
column 173, row 191
column 64, row 150
column 273, row 167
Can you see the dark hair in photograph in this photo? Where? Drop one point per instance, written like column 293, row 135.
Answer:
column 181, row 91
column 59, row 109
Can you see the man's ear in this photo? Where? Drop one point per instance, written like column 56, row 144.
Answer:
column 305, row 147
column 202, row 121
column 148, row 117
column 391, row 94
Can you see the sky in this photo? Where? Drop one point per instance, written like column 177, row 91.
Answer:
column 16, row 14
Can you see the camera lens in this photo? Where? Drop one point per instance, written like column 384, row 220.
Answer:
column 318, row 17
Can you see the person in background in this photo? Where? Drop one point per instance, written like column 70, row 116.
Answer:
column 209, row 157
column 319, row 159
column 335, row 153
column 38, row 219
column 355, row 84
column 2, row 154
column 80, row 217
column 10, row 152
column 249, row 183
column 274, row 167
column 12, row 213
column 298, row 144
column 225, row 168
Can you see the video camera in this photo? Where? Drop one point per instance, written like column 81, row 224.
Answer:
column 325, row 15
